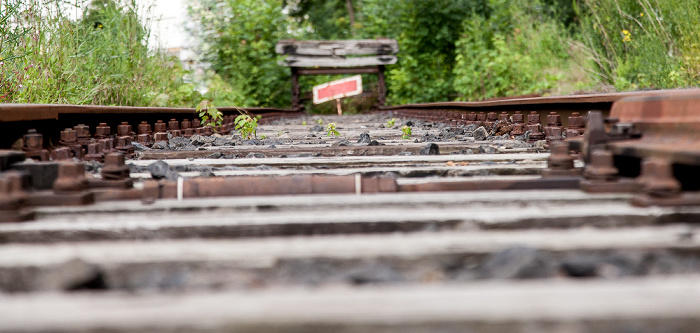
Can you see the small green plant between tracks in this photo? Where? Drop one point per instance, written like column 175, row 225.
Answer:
column 209, row 114
column 247, row 125
column 331, row 130
column 406, row 132
column 390, row 123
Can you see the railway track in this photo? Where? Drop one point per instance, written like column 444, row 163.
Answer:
column 468, row 225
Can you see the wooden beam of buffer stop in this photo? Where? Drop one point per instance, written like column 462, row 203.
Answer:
column 333, row 57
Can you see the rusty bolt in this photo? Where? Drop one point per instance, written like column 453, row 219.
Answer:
column 160, row 137
column 144, row 128
column 185, row 124
column 518, row 117
column 503, row 117
column 196, row 123
column 61, row 153
column 518, row 129
column 601, row 167
column 107, row 145
column 145, row 139
column 553, row 133
column 189, row 132
column 535, row 132
column 173, row 125
column 553, row 119
column 103, row 131
column 657, row 178
column 533, row 117
column 159, row 127
column 560, row 159
column 576, row 121
column 175, row 133
column 115, row 168
column 492, row 116
column 199, row 131
column 82, row 130
column 471, row 116
column 208, row 130
column 124, row 129
column 69, row 136
column 71, row 178
column 94, row 153
column 33, row 140
column 123, row 142
column 481, row 117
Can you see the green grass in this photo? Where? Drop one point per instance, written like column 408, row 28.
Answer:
column 100, row 59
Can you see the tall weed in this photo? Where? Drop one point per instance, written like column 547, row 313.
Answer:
column 101, row 58
column 639, row 44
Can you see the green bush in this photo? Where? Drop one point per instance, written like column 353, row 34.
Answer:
column 238, row 38
column 519, row 48
column 427, row 31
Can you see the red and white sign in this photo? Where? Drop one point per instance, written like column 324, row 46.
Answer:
column 337, row 89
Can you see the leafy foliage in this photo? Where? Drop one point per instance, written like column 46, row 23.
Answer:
column 331, row 130
column 238, row 38
column 391, row 122
column 406, row 132
column 247, row 125
column 209, row 114
column 509, row 52
column 427, row 31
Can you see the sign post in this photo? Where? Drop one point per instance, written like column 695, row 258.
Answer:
column 338, row 89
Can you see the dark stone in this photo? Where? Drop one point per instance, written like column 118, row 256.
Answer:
column 364, row 138
column 215, row 155
column 480, row 134
column 317, row 128
column 430, row 149
column 255, row 155
column 254, row 142
column 138, row 146
column 487, row 150
column 409, row 124
column 470, row 128
column 341, row 143
column 517, row 263
column 206, row 174
column 134, row 168
column 372, row 273
column 223, row 142
column 580, row 267
column 160, row 145
column 160, row 170
column 93, row 166
column 375, row 143
column 198, row 140
column 179, row 142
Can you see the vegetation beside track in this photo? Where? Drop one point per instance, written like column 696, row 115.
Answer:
column 450, row 50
